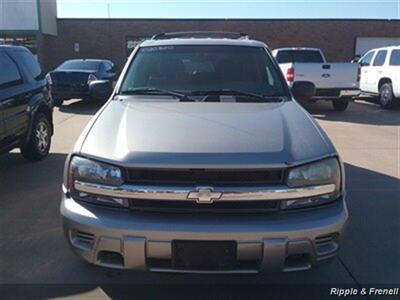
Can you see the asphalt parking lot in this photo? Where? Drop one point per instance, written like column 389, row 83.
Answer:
column 33, row 249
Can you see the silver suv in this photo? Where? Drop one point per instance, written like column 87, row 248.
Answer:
column 202, row 161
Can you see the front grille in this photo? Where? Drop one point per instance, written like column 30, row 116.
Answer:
column 156, row 264
column 85, row 237
column 82, row 240
column 326, row 239
column 193, row 207
column 205, row 177
column 326, row 244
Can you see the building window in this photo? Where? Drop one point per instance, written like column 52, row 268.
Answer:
column 132, row 42
column 29, row 42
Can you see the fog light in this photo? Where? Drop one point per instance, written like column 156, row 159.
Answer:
column 102, row 200
column 307, row 202
column 113, row 201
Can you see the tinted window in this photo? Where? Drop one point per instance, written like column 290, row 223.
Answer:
column 9, row 74
column 30, row 64
column 299, row 56
column 203, row 68
column 380, row 58
column 366, row 61
column 108, row 67
column 80, row 65
column 395, row 58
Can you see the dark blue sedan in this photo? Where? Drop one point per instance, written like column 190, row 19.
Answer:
column 72, row 78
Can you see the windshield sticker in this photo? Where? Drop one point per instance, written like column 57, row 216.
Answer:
column 157, row 48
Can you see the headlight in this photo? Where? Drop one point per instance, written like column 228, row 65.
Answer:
column 90, row 171
column 323, row 172
column 95, row 172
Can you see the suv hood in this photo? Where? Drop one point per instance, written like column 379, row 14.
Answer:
column 207, row 135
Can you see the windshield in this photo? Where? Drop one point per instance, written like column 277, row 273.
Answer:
column 80, row 65
column 299, row 56
column 198, row 68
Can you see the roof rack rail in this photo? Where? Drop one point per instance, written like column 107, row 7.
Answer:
column 200, row 34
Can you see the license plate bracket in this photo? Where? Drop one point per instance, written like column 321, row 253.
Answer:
column 204, row 255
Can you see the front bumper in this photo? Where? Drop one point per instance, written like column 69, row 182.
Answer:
column 123, row 239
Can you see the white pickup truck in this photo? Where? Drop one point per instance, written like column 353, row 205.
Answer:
column 380, row 75
column 338, row 82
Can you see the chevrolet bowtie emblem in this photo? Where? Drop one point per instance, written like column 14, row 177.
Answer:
column 204, row 195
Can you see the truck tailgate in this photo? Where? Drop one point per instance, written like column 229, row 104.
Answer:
column 328, row 75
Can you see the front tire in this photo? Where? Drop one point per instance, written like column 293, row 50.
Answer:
column 39, row 139
column 386, row 96
column 340, row 104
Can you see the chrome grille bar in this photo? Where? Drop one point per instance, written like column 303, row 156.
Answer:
column 181, row 193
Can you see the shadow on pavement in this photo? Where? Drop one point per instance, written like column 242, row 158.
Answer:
column 33, row 249
column 371, row 245
column 81, row 107
column 360, row 112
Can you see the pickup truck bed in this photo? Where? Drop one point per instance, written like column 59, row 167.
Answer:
column 333, row 81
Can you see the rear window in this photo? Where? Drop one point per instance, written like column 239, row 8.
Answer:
column 201, row 68
column 30, row 63
column 9, row 74
column 299, row 56
column 380, row 58
column 80, row 65
column 395, row 58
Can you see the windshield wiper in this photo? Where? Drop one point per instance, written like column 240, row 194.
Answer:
column 229, row 92
column 156, row 91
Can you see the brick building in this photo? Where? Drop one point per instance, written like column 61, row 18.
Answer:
column 114, row 39
column 340, row 40
column 27, row 23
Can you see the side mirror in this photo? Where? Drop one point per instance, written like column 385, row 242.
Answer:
column 356, row 59
column 303, row 90
column 100, row 89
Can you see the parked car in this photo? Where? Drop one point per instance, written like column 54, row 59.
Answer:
column 380, row 75
column 337, row 82
column 201, row 161
column 72, row 78
column 26, row 120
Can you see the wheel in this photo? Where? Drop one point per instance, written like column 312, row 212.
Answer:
column 386, row 96
column 39, row 139
column 58, row 102
column 340, row 104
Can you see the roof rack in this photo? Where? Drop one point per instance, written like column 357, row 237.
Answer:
column 200, row 34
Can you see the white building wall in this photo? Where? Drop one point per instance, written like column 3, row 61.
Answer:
column 19, row 15
column 48, row 16
column 364, row 44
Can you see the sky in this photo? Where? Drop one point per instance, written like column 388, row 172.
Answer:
column 364, row 9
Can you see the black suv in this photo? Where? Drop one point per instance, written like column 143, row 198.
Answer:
column 26, row 120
